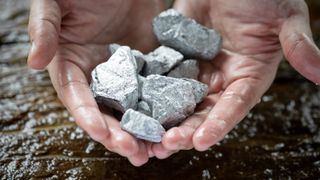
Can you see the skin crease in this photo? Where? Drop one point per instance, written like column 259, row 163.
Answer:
column 72, row 37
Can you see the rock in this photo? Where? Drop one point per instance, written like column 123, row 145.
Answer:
column 139, row 57
column 161, row 60
column 114, row 83
column 187, row 69
column 141, row 80
column 193, row 40
column 113, row 47
column 144, row 108
column 142, row 126
column 200, row 90
column 171, row 99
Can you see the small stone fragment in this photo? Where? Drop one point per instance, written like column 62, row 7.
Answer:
column 113, row 47
column 141, row 80
column 171, row 99
column 162, row 60
column 142, row 126
column 144, row 108
column 200, row 90
column 139, row 57
column 187, row 69
column 114, row 83
column 193, row 40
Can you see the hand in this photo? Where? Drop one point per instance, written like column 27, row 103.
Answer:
column 72, row 36
column 255, row 34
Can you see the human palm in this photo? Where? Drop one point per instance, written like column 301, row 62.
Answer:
column 73, row 36
column 255, row 36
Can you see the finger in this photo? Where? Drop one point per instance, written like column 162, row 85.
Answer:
column 121, row 142
column 149, row 149
column 232, row 107
column 180, row 138
column 73, row 90
column 298, row 46
column 141, row 157
column 44, row 28
column 161, row 152
column 186, row 8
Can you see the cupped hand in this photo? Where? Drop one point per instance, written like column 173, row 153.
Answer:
column 72, row 37
column 256, row 34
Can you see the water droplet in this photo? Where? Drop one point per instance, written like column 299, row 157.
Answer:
column 259, row 101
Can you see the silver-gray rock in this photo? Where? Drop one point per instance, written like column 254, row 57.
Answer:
column 200, row 90
column 139, row 56
column 113, row 47
column 140, row 59
column 142, row 126
column 187, row 69
column 161, row 60
column 186, row 35
column 144, row 108
column 114, row 83
column 141, row 80
column 171, row 99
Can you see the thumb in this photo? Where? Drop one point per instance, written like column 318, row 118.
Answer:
column 44, row 28
column 299, row 48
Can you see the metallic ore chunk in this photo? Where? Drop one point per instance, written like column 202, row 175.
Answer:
column 171, row 99
column 114, row 83
column 141, row 80
column 144, row 108
column 142, row 126
column 200, row 90
column 185, row 35
column 139, row 57
column 113, row 47
column 161, row 60
column 187, row 69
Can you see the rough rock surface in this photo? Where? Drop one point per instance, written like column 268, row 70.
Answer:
column 171, row 99
column 113, row 47
column 144, row 108
column 142, row 126
column 161, row 60
column 114, row 83
column 187, row 69
column 141, row 80
column 139, row 56
column 200, row 90
column 140, row 59
column 185, row 35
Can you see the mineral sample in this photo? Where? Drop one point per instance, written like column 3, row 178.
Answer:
column 114, row 83
column 144, row 108
column 200, row 90
column 171, row 99
column 142, row 126
column 141, row 80
column 139, row 57
column 193, row 40
column 113, row 47
column 161, row 60
column 187, row 69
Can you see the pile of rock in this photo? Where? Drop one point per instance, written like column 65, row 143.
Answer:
column 157, row 91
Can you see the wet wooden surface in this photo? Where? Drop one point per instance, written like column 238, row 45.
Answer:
column 280, row 138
